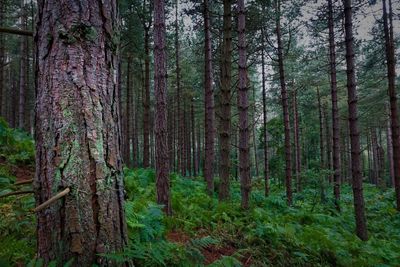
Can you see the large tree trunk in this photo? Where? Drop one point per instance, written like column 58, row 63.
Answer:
column 160, row 90
column 391, row 73
column 77, row 133
column 357, row 183
column 225, row 103
column 264, row 97
column 285, row 107
column 243, row 106
column 335, row 109
column 209, row 132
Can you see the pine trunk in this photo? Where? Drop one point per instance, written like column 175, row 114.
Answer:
column 160, row 121
column 146, row 101
column 225, row 103
column 335, row 109
column 77, row 133
column 23, row 70
column 391, row 73
column 285, row 107
column 357, row 181
column 243, row 106
column 209, row 132
column 264, row 96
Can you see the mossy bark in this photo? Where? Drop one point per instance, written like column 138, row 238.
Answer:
column 77, row 132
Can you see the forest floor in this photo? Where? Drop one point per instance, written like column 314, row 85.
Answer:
column 204, row 232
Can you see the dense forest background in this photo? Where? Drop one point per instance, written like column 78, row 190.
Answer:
column 237, row 133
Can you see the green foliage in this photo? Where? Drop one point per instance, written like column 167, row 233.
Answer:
column 15, row 145
column 310, row 233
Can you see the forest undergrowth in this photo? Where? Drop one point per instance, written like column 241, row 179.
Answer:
column 203, row 231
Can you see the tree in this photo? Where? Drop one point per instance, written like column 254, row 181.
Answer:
column 225, row 102
column 285, row 106
column 77, row 133
column 209, row 132
column 391, row 75
column 335, row 109
column 160, row 91
column 264, row 99
column 243, row 106
column 359, row 206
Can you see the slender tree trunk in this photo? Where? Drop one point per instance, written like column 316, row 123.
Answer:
column 199, row 146
column 128, row 115
column 146, row 102
column 225, row 103
column 134, row 134
column 335, row 109
column 321, row 127
column 160, row 90
column 297, row 141
column 209, row 132
column 193, row 150
column 285, row 106
column 2, row 60
column 328, row 143
column 254, row 121
column 357, row 184
column 391, row 73
column 390, row 151
column 264, row 96
column 77, row 134
column 243, row 106
column 374, row 143
column 23, row 69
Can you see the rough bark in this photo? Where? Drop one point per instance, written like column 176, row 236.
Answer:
column 357, row 182
column 335, row 109
column 285, row 106
column 77, row 133
column 265, row 136
column 209, row 132
column 391, row 74
column 160, row 90
column 225, row 103
column 243, row 106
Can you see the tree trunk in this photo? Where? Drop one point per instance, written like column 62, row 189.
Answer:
column 23, row 70
column 391, row 73
column 390, row 151
column 357, row 183
column 193, row 150
column 285, row 107
column 254, row 122
column 209, row 132
column 335, row 109
column 128, row 115
column 146, row 101
column 321, row 127
column 77, row 133
column 297, row 141
column 160, row 90
column 2, row 60
column 374, row 143
column 243, row 106
column 264, row 96
column 328, row 143
column 225, row 103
